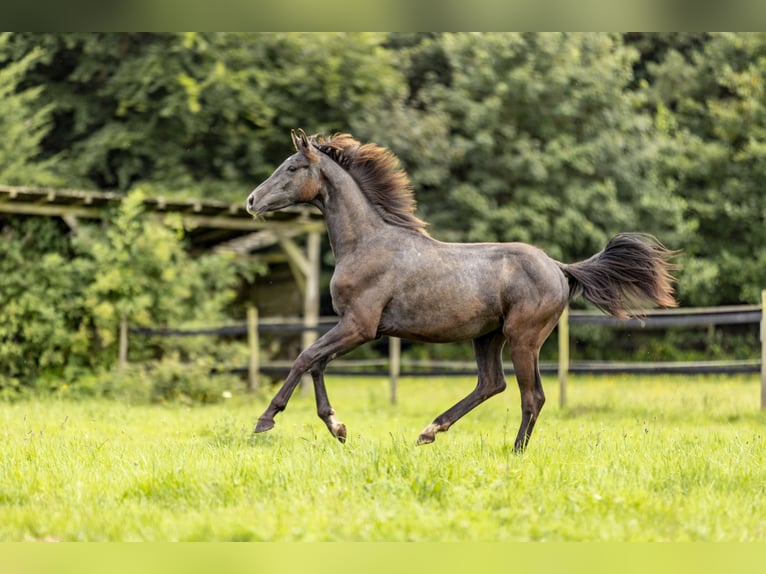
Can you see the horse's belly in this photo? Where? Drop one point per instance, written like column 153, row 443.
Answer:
column 436, row 325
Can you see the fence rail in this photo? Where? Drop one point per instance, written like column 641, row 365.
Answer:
column 394, row 366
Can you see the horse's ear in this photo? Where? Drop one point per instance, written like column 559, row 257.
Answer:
column 303, row 145
column 295, row 140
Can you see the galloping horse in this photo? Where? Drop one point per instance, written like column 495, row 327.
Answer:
column 392, row 278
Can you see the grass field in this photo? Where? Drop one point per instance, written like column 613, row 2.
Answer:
column 632, row 459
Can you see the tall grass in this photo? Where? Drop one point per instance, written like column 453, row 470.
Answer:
column 632, row 459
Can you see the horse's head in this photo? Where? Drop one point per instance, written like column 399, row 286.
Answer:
column 295, row 181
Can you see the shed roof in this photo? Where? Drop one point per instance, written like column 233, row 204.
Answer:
column 209, row 223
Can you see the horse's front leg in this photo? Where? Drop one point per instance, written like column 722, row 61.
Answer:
column 341, row 339
column 324, row 409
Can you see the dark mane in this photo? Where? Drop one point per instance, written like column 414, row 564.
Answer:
column 377, row 173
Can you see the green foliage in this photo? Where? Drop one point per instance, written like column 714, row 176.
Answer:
column 23, row 122
column 555, row 139
column 197, row 114
column 727, row 342
column 42, row 317
column 711, row 104
column 63, row 297
column 143, row 274
column 169, row 380
column 559, row 140
column 547, row 144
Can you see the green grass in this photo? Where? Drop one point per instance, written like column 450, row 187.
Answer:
column 632, row 458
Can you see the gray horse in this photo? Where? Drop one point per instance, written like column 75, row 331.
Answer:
column 392, row 278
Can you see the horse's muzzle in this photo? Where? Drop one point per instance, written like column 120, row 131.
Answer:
column 252, row 205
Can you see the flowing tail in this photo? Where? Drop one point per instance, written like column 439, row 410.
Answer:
column 632, row 272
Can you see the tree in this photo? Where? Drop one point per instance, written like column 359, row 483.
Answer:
column 546, row 143
column 23, row 121
column 141, row 273
column 197, row 114
column 555, row 139
column 711, row 106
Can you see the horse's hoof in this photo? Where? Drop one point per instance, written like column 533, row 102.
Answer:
column 339, row 432
column 263, row 425
column 425, row 438
column 428, row 435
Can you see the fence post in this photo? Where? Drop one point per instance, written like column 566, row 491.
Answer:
column 122, row 356
column 763, row 349
column 394, row 364
column 311, row 296
column 563, row 356
column 254, row 365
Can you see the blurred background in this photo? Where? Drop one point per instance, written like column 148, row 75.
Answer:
column 556, row 139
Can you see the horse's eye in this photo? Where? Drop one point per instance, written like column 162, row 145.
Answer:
column 292, row 168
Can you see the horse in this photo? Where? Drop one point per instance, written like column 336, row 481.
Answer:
column 393, row 278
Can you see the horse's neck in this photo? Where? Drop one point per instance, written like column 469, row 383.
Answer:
column 349, row 216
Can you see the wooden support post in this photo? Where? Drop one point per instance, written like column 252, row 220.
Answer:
column 300, row 265
column 563, row 356
column 311, row 295
column 763, row 349
column 122, row 357
column 254, row 365
column 394, row 364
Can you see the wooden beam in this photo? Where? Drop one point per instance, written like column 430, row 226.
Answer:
column 49, row 210
column 189, row 221
column 256, row 240
column 7, row 194
column 122, row 355
column 563, row 329
column 763, row 349
column 48, row 197
column 254, row 365
column 92, row 205
column 311, row 293
column 246, row 223
column 300, row 265
column 72, row 222
column 291, row 248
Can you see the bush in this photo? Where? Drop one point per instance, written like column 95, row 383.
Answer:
column 165, row 381
column 42, row 308
column 63, row 295
column 189, row 383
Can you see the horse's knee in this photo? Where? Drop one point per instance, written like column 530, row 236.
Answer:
column 488, row 392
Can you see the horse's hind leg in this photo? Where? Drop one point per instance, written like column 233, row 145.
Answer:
column 526, row 365
column 324, row 409
column 488, row 349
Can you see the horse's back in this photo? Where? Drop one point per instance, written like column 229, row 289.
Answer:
column 456, row 291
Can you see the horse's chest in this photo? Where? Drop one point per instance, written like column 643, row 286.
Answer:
column 344, row 289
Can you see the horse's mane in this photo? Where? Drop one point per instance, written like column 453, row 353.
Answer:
column 377, row 173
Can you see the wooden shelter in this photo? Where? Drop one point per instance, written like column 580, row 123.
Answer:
column 210, row 225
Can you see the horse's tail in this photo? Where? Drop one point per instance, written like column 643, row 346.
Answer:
column 632, row 272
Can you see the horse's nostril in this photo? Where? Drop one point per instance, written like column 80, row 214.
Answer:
column 249, row 201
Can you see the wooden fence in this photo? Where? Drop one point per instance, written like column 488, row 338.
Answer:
column 394, row 366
